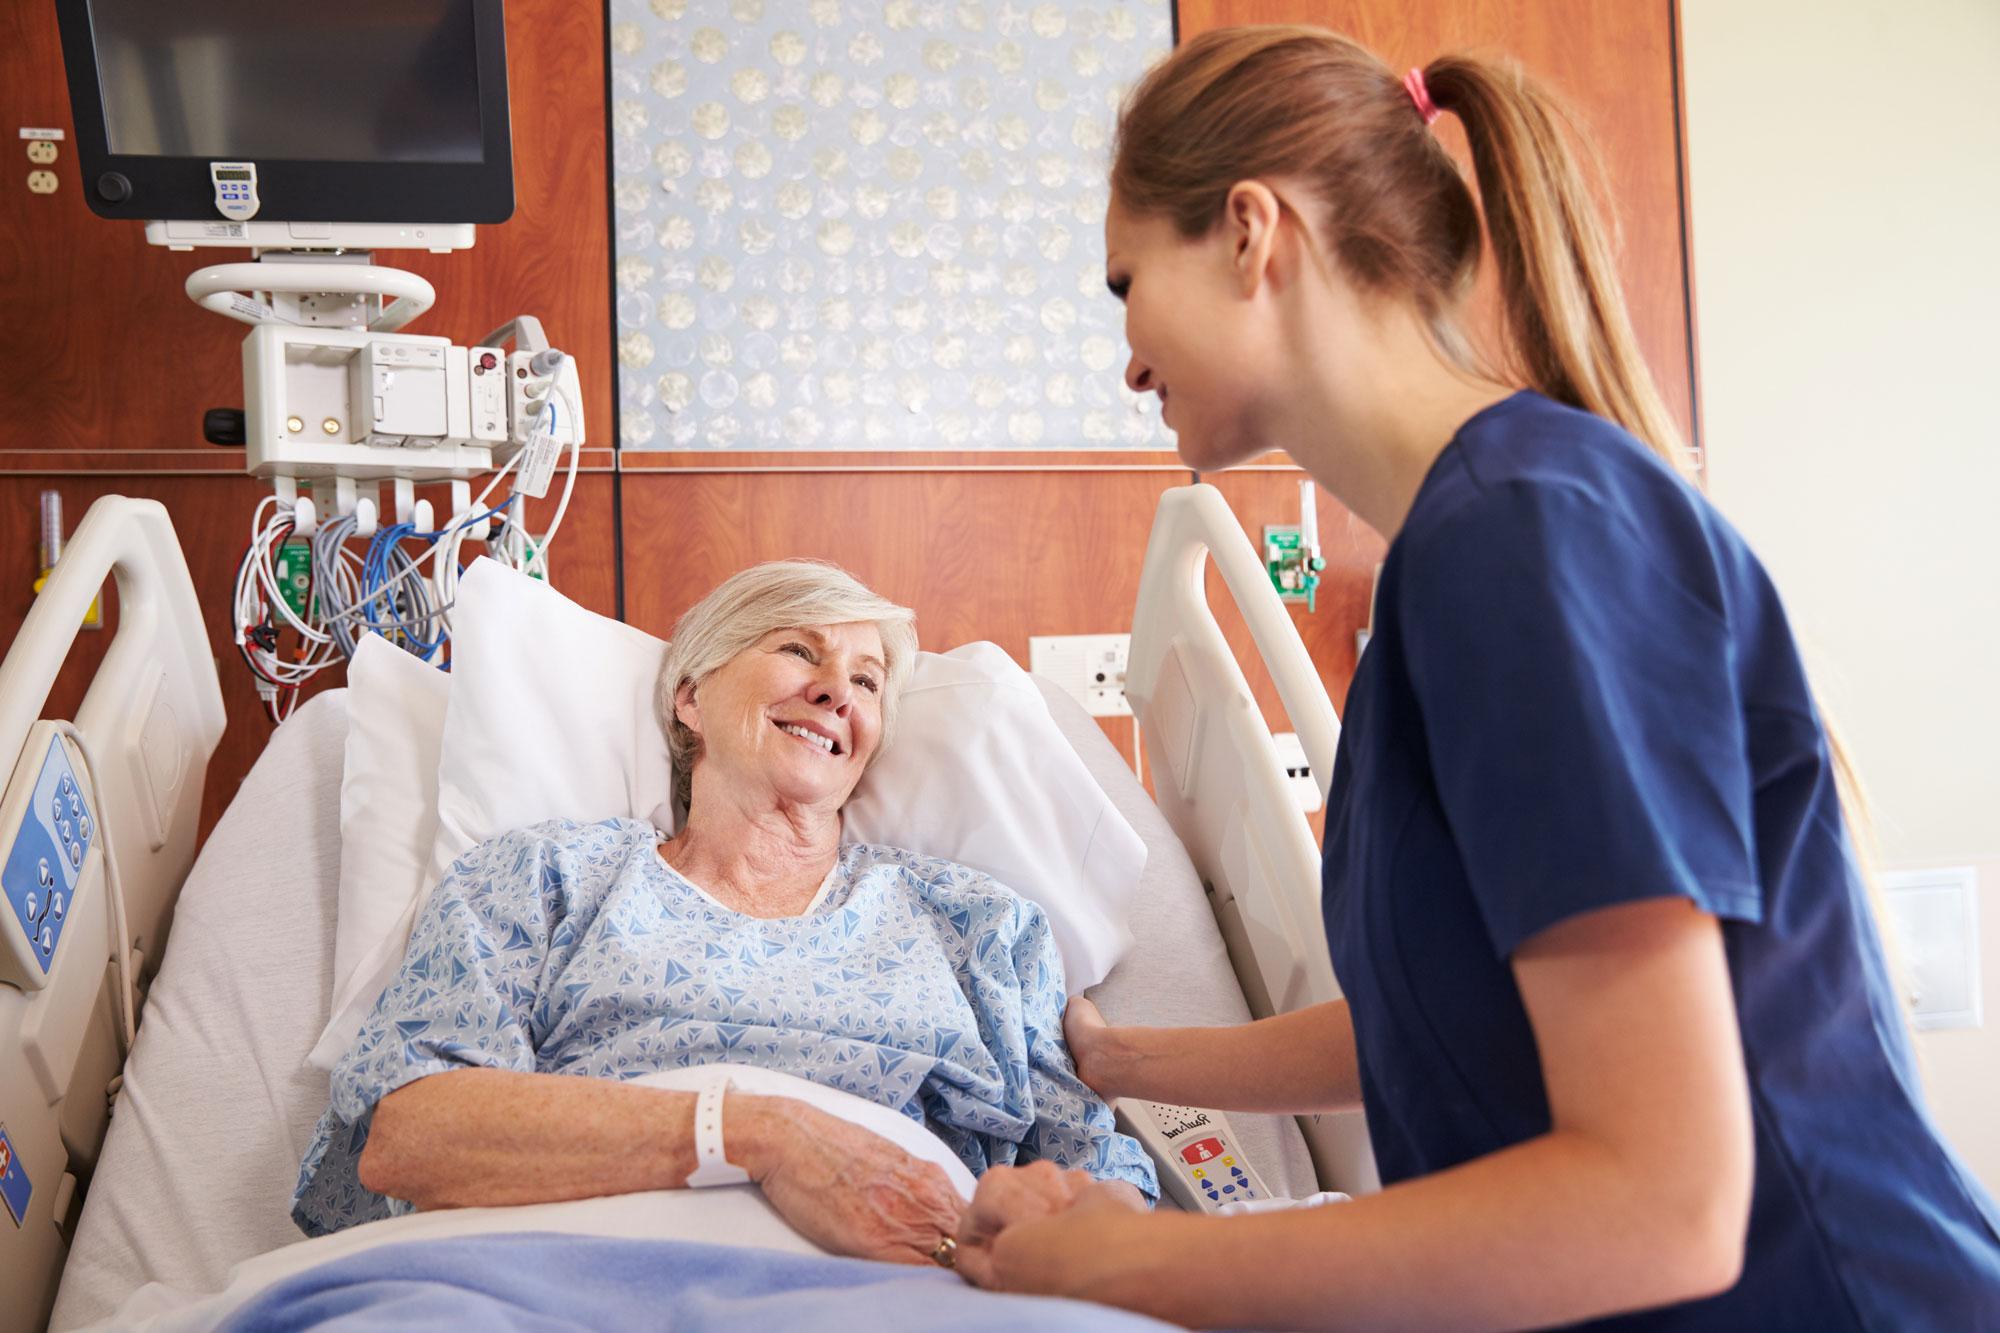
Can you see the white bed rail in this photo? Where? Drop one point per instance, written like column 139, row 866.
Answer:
column 1218, row 778
column 151, row 717
column 153, row 712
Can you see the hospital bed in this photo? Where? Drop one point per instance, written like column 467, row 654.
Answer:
column 192, row 1174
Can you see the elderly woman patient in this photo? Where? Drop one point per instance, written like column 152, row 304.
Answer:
column 753, row 937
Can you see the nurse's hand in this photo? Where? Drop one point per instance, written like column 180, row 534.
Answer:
column 1008, row 1195
column 1086, row 1247
column 1091, row 1040
column 841, row 1187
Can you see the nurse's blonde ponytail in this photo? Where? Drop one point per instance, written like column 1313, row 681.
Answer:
column 1558, row 276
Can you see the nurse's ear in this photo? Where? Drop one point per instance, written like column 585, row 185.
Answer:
column 1251, row 216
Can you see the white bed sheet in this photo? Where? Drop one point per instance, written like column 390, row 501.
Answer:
column 199, row 1164
column 218, row 1103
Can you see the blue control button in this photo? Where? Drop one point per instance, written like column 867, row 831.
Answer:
column 1229, row 1189
column 48, row 940
column 83, row 827
column 56, row 906
column 68, row 829
column 34, row 907
column 75, row 855
column 42, row 871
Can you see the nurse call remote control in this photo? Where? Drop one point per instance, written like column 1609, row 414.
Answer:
column 1201, row 1166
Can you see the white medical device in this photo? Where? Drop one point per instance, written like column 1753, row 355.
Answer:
column 151, row 719
column 304, row 134
column 235, row 189
column 1202, row 1167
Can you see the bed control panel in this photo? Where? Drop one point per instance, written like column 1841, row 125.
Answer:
column 15, row 1187
column 1201, row 1166
column 49, row 828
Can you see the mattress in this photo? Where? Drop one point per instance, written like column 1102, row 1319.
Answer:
column 218, row 1104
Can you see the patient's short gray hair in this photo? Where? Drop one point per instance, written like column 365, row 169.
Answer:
column 779, row 594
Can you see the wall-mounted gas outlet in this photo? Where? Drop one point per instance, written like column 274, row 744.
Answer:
column 1091, row 667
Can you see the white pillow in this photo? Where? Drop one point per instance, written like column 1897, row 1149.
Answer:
column 551, row 714
column 388, row 820
column 981, row 773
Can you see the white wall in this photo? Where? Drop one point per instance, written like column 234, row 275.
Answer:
column 1845, row 186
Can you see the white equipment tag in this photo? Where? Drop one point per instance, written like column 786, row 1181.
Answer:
column 538, row 465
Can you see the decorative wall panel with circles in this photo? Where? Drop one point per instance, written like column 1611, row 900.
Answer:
column 847, row 225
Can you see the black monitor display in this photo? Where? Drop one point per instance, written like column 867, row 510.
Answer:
column 351, row 111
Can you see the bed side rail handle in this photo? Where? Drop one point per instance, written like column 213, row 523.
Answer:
column 1196, row 522
column 153, row 712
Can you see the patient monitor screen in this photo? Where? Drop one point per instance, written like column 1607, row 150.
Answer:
column 353, row 81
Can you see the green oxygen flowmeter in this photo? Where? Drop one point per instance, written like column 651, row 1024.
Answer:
column 1291, row 552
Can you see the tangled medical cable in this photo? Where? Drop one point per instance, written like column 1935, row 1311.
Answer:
column 326, row 593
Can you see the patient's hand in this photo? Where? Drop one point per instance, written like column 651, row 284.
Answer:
column 850, row 1191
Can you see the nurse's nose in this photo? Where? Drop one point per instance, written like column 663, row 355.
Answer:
column 1138, row 375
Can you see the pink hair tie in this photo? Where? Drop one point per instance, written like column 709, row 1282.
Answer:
column 1413, row 83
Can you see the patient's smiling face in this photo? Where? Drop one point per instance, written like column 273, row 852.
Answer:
column 796, row 716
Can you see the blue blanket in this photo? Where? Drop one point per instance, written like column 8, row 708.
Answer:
column 546, row 1281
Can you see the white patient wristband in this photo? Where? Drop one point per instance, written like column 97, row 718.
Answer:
column 711, row 1166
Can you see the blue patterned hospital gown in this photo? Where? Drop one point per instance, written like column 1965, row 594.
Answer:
column 566, row 948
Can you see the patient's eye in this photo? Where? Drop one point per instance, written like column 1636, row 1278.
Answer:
column 869, row 683
column 799, row 649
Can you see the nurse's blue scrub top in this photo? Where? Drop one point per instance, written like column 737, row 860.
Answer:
column 1581, row 690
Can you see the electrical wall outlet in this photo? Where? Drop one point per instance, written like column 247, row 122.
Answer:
column 41, row 152
column 1934, row 918
column 42, row 182
column 1298, row 769
column 1091, row 667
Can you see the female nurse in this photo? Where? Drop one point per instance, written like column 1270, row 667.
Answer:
column 1616, row 1005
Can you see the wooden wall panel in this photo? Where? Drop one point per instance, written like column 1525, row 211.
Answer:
column 1613, row 63
column 996, row 556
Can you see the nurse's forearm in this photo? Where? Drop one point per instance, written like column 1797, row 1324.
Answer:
column 1292, row 1064
column 486, row 1137
column 1551, row 1231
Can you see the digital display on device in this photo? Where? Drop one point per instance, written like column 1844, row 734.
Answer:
column 350, row 81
